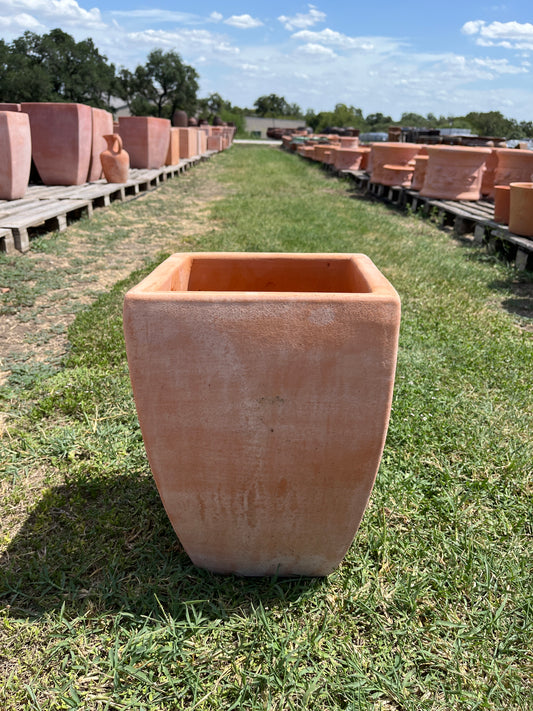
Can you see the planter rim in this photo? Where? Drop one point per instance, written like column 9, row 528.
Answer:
column 521, row 185
column 152, row 288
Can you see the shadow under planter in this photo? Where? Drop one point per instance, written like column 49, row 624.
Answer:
column 263, row 385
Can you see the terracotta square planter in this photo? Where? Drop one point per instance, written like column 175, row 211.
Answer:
column 146, row 139
column 61, row 136
column 15, row 146
column 263, row 385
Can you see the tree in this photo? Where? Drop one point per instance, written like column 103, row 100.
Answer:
column 54, row 67
column 160, row 86
column 276, row 106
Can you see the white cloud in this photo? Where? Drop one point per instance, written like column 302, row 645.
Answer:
column 186, row 41
column 23, row 21
column 243, row 22
column 301, row 20
column 216, row 16
column 511, row 35
column 57, row 12
column 337, row 39
column 317, row 50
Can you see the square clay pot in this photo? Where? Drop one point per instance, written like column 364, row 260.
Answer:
column 263, row 384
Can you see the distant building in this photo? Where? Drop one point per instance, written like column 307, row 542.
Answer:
column 257, row 126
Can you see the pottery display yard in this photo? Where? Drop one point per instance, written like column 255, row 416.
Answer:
column 233, row 476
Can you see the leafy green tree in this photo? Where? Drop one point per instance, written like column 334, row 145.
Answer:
column 160, row 86
column 54, row 67
column 276, row 106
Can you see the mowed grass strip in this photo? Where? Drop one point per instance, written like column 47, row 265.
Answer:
column 431, row 609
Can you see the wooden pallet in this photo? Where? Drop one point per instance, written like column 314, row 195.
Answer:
column 53, row 214
column 7, row 243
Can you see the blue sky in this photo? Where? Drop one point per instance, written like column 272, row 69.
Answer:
column 445, row 58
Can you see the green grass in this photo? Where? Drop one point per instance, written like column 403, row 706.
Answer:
column 432, row 607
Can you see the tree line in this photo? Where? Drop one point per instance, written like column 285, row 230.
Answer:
column 54, row 67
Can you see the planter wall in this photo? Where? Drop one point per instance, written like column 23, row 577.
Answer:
column 521, row 209
column 15, row 149
column 9, row 107
column 173, row 155
column 146, row 139
column 454, row 172
column 188, row 142
column 102, row 125
column 61, row 136
column 263, row 385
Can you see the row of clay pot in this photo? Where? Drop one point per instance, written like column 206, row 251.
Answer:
column 449, row 172
column 67, row 140
column 441, row 172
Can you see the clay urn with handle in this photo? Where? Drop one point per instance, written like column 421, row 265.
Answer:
column 115, row 160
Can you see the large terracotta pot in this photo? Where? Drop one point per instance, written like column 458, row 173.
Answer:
column 9, row 107
column 115, row 160
column 102, row 126
column 348, row 158
column 521, row 209
column 454, row 172
column 15, row 150
column 61, row 136
column 263, row 385
column 487, row 181
column 398, row 154
column 514, row 166
column 146, row 139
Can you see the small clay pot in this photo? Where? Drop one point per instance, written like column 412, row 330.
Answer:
column 502, row 195
column 521, row 209
column 115, row 160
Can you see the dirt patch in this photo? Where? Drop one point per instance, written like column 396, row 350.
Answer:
column 65, row 272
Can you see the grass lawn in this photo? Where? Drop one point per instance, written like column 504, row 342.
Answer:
column 100, row 608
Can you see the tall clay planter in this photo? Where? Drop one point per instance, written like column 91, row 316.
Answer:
column 454, row 172
column 115, row 160
column 263, row 384
column 15, row 151
column 521, row 209
column 146, row 139
column 61, row 136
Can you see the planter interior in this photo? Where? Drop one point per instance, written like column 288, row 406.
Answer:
column 263, row 385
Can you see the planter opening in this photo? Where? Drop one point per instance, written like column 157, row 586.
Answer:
column 271, row 274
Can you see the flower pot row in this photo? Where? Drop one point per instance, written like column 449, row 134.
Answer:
column 66, row 141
